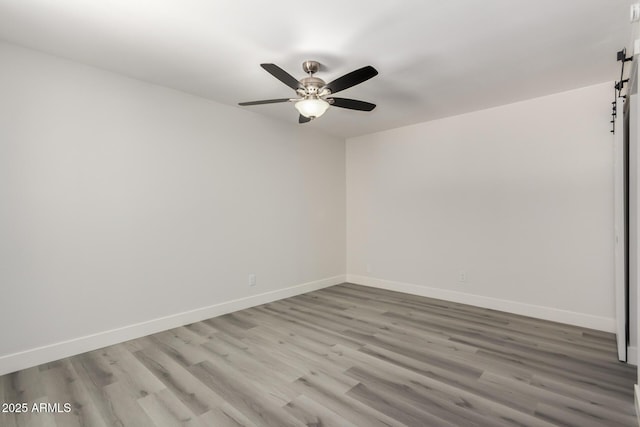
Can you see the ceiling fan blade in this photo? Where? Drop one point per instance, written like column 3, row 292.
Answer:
column 352, row 104
column 351, row 79
column 266, row 101
column 281, row 75
column 303, row 119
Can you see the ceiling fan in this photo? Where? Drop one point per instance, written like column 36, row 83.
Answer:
column 315, row 96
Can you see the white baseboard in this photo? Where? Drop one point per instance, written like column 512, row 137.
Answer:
column 547, row 313
column 632, row 355
column 36, row 356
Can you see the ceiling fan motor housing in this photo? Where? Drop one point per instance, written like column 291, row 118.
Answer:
column 312, row 85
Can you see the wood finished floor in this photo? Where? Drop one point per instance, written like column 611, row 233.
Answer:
column 342, row 356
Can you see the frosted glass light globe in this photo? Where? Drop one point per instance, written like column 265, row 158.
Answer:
column 312, row 107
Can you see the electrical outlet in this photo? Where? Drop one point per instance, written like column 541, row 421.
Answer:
column 368, row 268
column 462, row 277
column 252, row 280
column 635, row 12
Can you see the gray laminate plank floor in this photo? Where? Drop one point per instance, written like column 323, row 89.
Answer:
column 343, row 356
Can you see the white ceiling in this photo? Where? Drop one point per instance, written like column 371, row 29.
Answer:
column 436, row 58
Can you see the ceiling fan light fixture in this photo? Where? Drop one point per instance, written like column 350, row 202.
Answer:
column 312, row 107
column 313, row 91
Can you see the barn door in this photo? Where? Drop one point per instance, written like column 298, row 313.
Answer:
column 620, row 180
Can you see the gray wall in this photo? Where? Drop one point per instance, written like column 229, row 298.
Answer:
column 124, row 202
